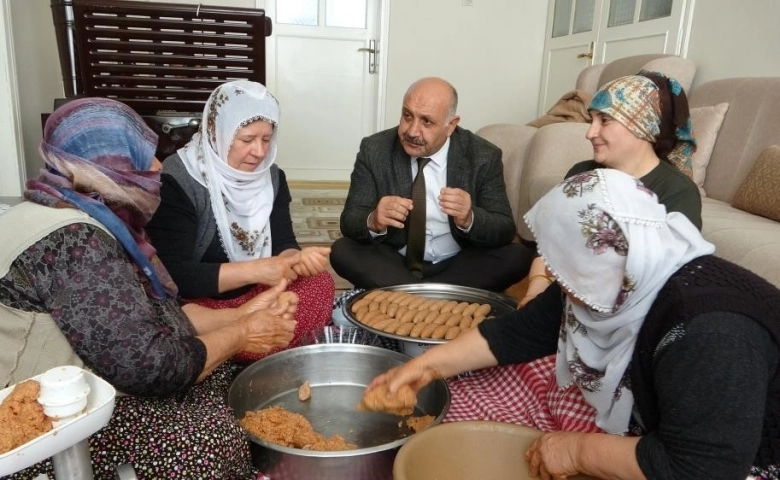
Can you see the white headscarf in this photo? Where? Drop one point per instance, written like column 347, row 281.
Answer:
column 241, row 201
column 610, row 244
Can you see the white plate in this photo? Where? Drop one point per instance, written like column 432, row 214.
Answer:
column 100, row 406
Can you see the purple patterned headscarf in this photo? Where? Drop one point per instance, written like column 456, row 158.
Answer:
column 98, row 153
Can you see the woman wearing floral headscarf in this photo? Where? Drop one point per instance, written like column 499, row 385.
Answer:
column 80, row 284
column 224, row 229
column 648, row 357
column 640, row 125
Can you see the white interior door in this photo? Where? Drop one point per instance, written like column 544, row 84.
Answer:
column 571, row 36
column 581, row 33
column 635, row 27
column 320, row 67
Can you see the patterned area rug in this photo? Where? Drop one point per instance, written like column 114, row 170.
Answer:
column 315, row 211
column 315, row 214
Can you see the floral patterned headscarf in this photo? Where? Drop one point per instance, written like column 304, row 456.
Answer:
column 611, row 245
column 654, row 108
column 98, row 153
column 241, row 201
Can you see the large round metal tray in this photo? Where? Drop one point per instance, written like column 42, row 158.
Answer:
column 499, row 304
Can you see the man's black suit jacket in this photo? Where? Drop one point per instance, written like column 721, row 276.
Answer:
column 473, row 164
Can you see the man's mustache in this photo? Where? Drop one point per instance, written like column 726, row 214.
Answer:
column 415, row 140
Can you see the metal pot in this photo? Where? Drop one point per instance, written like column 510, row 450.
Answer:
column 337, row 374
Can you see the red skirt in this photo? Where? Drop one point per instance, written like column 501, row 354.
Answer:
column 315, row 306
column 525, row 394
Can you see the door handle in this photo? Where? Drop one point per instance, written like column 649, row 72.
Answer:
column 372, row 53
column 588, row 55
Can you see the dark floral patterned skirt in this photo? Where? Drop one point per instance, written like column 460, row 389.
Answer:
column 190, row 436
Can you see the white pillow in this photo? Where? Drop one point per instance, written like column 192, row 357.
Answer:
column 706, row 125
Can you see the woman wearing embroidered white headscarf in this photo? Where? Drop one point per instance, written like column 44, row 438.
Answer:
column 648, row 358
column 640, row 125
column 223, row 228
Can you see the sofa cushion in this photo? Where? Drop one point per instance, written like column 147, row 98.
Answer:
column 747, row 240
column 758, row 192
column 706, row 125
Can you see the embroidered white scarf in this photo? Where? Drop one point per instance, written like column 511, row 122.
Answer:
column 612, row 246
column 241, row 201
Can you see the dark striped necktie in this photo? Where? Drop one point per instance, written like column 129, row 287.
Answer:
column 415, row 242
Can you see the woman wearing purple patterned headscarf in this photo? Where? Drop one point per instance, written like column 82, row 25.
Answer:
column 80, row 284
column 640, row 125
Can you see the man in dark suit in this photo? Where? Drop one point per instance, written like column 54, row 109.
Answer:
column 468, row 228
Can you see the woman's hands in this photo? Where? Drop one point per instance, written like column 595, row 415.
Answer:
column 271, row 271
column 469, row 351
column 269, row 319
column 415, row 373
column 554, row 456
column 557, row 455
column 312, row 261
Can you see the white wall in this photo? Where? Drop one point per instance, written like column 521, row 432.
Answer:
column 735, row 39
column 11, row 159
column 39, row 80
column 491, row 52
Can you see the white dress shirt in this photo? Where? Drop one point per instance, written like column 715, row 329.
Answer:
column 439, row 242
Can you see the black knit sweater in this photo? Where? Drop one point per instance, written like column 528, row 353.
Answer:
column 705, row 285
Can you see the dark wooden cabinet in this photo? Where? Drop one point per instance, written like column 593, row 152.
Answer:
column 161, row 59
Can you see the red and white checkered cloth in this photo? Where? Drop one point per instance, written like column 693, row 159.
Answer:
column 525, row 394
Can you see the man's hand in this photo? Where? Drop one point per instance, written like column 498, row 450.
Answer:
column 457, row 204
column 391, row 211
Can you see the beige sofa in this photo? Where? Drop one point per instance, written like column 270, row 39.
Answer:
column 526, row 181
column 751, row 123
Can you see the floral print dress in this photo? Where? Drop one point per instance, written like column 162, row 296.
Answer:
column 167, row 426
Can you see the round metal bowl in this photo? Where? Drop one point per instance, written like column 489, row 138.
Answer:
column 338, row 374
column 411, row 346
column 340, row 334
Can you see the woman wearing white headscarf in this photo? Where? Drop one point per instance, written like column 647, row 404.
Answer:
column 648, row 358
column 223, row 228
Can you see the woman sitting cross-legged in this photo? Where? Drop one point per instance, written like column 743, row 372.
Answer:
column 223, row 228
column 81, row 285
column 648, row 358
